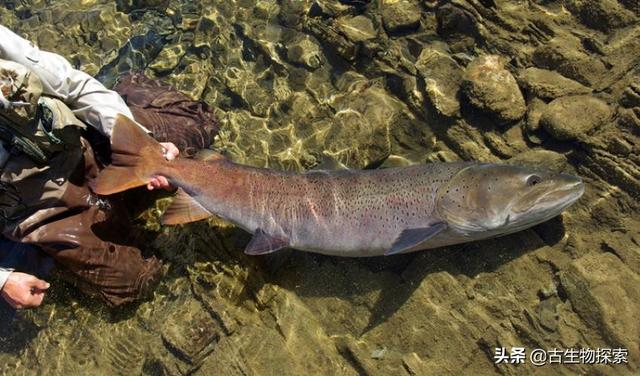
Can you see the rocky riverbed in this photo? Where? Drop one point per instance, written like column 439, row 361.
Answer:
column 369, row 84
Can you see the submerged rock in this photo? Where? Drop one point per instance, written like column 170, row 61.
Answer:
column 443, row 77
column 601, row 15
column 540, row 158
column 629, row 112
column 401, row 16
column 493, row 89
column 168, row 59
column 567, row 118
column 604, row 292
column 566, row 57
column 189, row 330
column 306, row 52
column 357, row 29
column 547, row 84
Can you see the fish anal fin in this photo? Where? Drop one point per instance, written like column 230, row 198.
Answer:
column 412, row 237
column 184, row 209
column 263, row 243
column 115, row 179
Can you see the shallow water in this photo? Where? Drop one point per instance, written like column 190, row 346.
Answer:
column 368, row 84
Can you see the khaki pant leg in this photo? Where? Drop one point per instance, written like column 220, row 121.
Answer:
column 59, row 216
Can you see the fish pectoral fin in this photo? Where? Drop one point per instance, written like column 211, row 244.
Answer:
column 411, row 237
column 263, row 243
column 184, row 209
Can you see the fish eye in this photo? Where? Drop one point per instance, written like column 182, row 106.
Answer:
column 533, row 180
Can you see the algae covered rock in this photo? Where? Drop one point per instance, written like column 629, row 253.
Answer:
column 566, row 56
column 190, row 330
column 567, row 118
column 358, row 28
column 305, row 51
column 541, row 158
column 492, row 89
column 402, row 15
column 604, row 292
column 547, row 84
column 442, row 77
column 601, row 15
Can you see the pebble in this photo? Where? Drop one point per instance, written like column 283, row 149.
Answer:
column 567, row 118
column 546, row 84
column 443, row 77
column 493, row 89
column 401, row 16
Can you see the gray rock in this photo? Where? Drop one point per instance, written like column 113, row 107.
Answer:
column 443, row 77
column 567, row 118
column 401, row 16
column 357, row 29
column 493, row 89
column 547, row 84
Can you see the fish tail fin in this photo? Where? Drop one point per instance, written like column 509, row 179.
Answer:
column 135, row 158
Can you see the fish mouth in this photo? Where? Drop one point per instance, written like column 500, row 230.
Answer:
column 551, row 203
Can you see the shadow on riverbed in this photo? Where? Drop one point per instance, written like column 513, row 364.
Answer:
column 396, row 278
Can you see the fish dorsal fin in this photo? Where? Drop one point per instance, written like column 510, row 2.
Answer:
column 184, row 209
column 263, row 243
column 411, row 237
column 208, row 155
column 328, row 163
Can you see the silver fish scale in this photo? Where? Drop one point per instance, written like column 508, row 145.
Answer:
column 339, row 211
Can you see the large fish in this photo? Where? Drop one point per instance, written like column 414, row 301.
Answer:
column 346, row 212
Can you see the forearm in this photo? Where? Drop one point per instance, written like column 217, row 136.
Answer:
column 4, row 275
column 86, row 97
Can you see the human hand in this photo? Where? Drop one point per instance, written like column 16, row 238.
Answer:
column 23, row 290
column 170, row 150
column 6, row 104
column 161, row 182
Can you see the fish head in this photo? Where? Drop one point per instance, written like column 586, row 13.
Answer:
column 499, row 199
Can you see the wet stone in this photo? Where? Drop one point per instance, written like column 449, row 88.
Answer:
column 541, row 158
column 205, row 31
column 357, row 29
column 631, row 95
column 493, row 89
column 168, row 58
column 604, row 292
column 547, row 313
column 567, row 118
column 535, row 110
column 442, row 76
column 306, row 52
column 566, row 57
column 190, row 330
column 254, row 350
column 401, row 16
column 601, row 15
column 547, row 84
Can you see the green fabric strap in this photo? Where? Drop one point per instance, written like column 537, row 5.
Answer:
column 17, row 140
